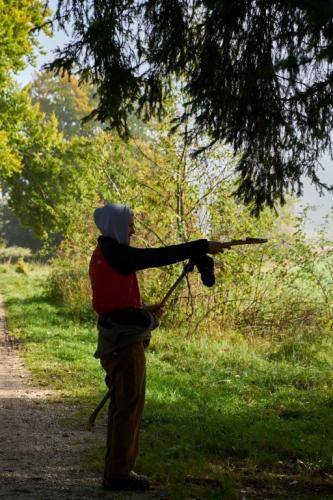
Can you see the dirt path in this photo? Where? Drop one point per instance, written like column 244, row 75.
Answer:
column 41, row 459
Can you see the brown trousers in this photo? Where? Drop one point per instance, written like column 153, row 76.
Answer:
column 126, row 377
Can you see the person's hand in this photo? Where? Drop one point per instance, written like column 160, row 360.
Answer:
column 215, row 247
column 157, row 309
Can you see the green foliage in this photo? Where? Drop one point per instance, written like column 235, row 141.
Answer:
column 13, row 254
column 14, row 120
column 56, row 177
column 68, row 281
column 44, row 176
column 66, row 99
column 18, row 23
column 255, row 74
column 47, row 178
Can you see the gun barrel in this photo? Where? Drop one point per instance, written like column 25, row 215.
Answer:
column 247, row 241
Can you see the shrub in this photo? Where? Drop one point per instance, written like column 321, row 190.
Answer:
column 11, row 255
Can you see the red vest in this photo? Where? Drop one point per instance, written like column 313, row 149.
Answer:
column 110, row 289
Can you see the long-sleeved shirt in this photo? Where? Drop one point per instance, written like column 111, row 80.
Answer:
column 126, row 259
column 113, row 269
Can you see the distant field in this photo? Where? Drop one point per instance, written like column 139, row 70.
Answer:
column 256, row 419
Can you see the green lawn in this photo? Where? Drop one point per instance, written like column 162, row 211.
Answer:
column 257, row 421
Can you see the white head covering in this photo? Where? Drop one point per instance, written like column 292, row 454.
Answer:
column 112, row 220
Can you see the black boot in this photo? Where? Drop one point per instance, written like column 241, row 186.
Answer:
column 130, row 482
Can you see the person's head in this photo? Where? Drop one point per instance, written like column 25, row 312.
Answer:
column 115, row 221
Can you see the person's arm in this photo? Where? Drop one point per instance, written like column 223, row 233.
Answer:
column 126, row 259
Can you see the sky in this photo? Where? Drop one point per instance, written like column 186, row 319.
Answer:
column 322, row 205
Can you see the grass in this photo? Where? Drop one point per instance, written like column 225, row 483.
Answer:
column 259, row 418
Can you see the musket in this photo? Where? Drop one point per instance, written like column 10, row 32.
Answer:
column 247, row 241
column 187, row 269
column 190, row 265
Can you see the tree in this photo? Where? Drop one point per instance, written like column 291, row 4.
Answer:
column 256, row 74
column 18, row 22
column 16, row 113
column 56, row 178
column 64, row 97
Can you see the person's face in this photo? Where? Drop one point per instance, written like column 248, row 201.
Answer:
column 131, row 228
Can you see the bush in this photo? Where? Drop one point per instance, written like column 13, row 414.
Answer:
column 69, row 283
column 69, row 280
column 11, row 255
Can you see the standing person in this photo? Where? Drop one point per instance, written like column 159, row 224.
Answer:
column 124, row 325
